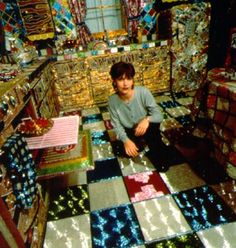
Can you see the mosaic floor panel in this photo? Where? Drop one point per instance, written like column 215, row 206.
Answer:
column 127, row 203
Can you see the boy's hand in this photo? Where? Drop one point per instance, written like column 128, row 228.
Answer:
column 142, row 127
column 130, row 148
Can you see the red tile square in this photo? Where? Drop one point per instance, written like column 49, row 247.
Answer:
column 146, row 185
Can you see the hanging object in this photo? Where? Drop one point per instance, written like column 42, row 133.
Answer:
column 148, row 18
column 11, row 19
column 78, row 9
column 37, row 19
column 62, row 18
column 132, row 10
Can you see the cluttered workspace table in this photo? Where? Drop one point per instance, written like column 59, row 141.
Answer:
column 221, row 110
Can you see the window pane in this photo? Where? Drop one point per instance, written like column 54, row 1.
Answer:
column 92, row 3
column 108, row 17
column 110, row 2
column 112, row 19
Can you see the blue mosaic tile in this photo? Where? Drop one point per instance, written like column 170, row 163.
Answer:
column 203, row 208
column 185, row 120
column 169, row 104
column 91, row 118
column 104, row 169
column 115, row 227
column 100, row 137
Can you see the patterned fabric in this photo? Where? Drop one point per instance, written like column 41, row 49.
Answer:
column 11, row 19
column 21, row 168
column 78, row 10
column 132, row 9
column 37, row 19
column 221, row 109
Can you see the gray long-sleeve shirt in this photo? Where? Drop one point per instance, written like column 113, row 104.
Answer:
column 126, row 115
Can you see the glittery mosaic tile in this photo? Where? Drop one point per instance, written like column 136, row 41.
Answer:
column 146, row 185
column 100, row 137
column 91, row 118
column 160, row 218
column 187, row 240
column 104, row 169
column 203, row 208
column 102, row 151
column 113, row 194
column 219, row 236
column 69, row 202
column 69, row 232
column 90, row 111
column 181, row 177
column 95, row 126
column 131, row 166
column 115, row 227
column 169, row 104
column 106, row 116
column 227, row 191
column 125, row 202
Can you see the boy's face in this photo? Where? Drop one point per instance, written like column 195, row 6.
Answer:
column 124, row 84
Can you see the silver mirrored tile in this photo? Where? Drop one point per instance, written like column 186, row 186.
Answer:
column 102, row 151
column 95, row 126
column 160, row 218
column 90, row 111
column 131, row 166
column 109, row 193
column 219, row 236
column 71, row 232
column 181, row 177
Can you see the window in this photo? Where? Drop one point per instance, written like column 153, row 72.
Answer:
column 104, row 15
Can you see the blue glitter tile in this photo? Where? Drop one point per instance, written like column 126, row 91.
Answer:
column 185, row 120
column 105, row 169
column 187, row 240
column 100, row 137
column 68, row 202
column 91, row 118
column 169, row 104
column 203, row 208
column 115, row 227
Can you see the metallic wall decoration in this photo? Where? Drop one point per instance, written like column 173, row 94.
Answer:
column 37, row 19
column 86, row 81
column 190, row 30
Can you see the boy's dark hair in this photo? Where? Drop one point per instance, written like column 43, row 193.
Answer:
column 122, row 68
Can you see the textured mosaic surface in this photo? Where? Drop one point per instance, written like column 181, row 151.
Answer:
column 126, row 202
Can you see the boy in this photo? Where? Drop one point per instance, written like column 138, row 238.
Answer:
column 135, row 116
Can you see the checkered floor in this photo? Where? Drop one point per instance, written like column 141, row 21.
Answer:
column 127, row 203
